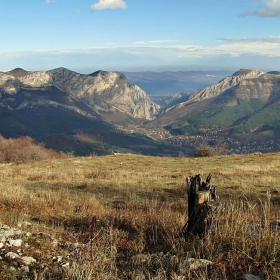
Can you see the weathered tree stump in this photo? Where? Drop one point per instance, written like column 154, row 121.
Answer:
column 200, row 212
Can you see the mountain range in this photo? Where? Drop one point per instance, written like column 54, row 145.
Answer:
column 104, row 112
column 73, row 112
column 242, row 106
column 103, row 93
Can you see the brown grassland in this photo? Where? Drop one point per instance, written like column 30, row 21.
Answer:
column 126, row 211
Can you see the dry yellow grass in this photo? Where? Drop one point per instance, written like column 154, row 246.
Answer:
column 127, row 209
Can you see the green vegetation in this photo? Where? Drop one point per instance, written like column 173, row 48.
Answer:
column 217, row 117
column 245, row 117
column 125, row 212
column 266, row 116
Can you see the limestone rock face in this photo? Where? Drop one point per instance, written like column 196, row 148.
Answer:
column 106, row 91
column 9, row 84
column 35, row 80
column 242, row 77
column 101, row 91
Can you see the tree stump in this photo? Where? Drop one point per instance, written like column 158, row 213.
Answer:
column 200, row 213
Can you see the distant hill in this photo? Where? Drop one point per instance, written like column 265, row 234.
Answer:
column 18, row 72
column 274, row 72
column 159, row 85
column 244, row 104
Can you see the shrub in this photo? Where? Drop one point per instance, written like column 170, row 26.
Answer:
column 204, row 150
column 24, row 149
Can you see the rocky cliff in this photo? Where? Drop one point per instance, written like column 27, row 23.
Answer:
column 242, row 76
column 103, row 92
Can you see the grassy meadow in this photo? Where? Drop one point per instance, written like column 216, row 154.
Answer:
column 125, row 213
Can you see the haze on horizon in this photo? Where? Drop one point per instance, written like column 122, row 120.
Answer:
column 129, row 35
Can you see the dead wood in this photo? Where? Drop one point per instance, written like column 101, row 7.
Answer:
column 200, row 212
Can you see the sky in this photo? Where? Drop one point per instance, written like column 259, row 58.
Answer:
column 139, row 35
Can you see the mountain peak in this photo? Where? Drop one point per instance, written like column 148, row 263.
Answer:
column 18, row 72
column 242, row 71
column 105, row 73
column 248, row 72
column 225, row 84
column 61, row 70
column 96, row 73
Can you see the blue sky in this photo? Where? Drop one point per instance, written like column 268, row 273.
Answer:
column 139, row 35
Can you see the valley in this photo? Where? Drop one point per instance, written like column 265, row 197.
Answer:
column 103, row 112
column 188, row 143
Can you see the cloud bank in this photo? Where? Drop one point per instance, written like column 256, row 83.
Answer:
column 261, row 46
column 265, row 39
column 271, row 8
column 155, row 42
column 108, row 4
column 259, row 52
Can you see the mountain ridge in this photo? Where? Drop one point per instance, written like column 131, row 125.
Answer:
column 239, row 105
column 224, row 84
column 102, row 91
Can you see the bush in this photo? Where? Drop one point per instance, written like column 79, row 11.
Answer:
column 25, row 149
column 204, row 150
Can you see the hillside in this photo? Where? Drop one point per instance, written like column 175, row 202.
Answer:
column 119, row 217
column 243, row 106
column 65, row 130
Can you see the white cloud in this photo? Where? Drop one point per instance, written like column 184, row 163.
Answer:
column 231, row 47
column 49, row 1
column 156, row 42
column 109, row 4
column 255, row 48
column 265, row 39
column 241, row 52
column 235, row 49
column 271, row 8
